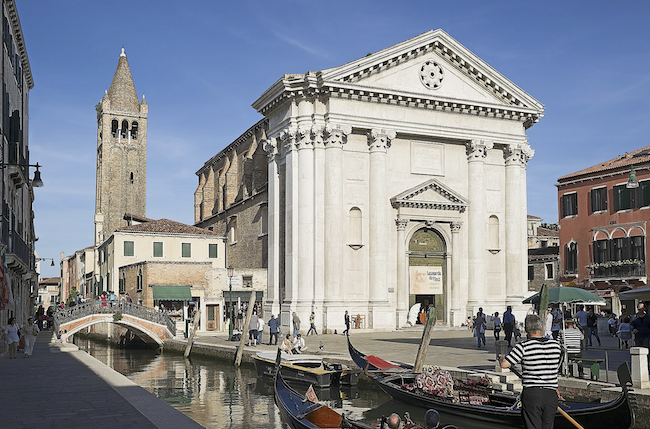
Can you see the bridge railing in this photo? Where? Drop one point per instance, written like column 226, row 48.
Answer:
column 113, row 307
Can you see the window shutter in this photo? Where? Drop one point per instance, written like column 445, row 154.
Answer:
column 594, row 202
column 616, row 191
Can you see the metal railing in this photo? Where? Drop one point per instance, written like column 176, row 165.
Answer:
column 113, row 307
column 620, row 271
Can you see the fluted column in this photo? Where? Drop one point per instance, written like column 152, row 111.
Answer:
column 378, row 142
column 402, row 273
column 457, row 312
column 335, row 137
column 272, row 282
column 305, row 147
column 288, row 284
column 477, row 221
column 516, row 156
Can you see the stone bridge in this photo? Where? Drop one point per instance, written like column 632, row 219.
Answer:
column 149, row 324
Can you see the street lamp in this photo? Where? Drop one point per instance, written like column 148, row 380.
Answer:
column 231, row 271
column 37, row 182
column 632, row 182
column 45, row 259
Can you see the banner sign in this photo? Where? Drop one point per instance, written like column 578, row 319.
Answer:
column 426, row 280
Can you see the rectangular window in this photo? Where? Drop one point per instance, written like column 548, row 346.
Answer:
column 186, row 250
column 599, row 199
column 122, row 285
column 549, row 271
column 570, row 204
column 233, row 230
column 129, row 248
column 264, row 220
column 247, row 281
column 643, row 194
column 157, row 249
column 623, row 198
column 213, row 250
column 531, row 273
column 571, row 260
column 600, row 251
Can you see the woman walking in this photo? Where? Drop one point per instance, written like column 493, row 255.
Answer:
column 497, row 326
column 29, row 331
column 11, row 330
column 479, row 328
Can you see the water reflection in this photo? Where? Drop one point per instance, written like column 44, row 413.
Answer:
column 217, row 395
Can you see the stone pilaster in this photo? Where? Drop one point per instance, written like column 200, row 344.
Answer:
column 305, row 146
column 378, row 142
column 402, row 273
column 456, row 310
column 273, row 280
column 477, row 221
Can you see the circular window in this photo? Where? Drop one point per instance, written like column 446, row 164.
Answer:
column 431, row 74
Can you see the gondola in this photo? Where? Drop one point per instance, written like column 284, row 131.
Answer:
column 306, row 368
column 301, row 413
column 394, row 379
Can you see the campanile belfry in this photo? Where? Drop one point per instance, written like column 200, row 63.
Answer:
column 121, row 154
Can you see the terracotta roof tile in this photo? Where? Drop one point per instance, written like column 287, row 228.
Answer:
column 545, row 232
column 638, row 156
column 168, row 227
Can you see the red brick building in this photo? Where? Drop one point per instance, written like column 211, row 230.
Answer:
column 604, row 212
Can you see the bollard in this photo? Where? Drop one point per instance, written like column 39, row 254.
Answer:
column 502, row 350
column 640, row 378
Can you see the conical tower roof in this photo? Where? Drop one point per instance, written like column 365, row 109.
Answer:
column 122, row 92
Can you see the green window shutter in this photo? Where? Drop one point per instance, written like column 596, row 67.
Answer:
column 212, row 250
column 128, row 248
column 157, row 249
column 186, row 250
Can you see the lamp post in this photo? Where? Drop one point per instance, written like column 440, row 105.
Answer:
column 37, row 182
column 231, row 271
column 45, row 259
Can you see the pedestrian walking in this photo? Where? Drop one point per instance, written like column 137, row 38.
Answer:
column 641, row 328
column 624, row 332
column 296, row 324
column 592, row 325
column 346, row 318
column 40, row 316
column 312, row 324
column 479, row 328
column 509, row 324
column 612, row 324
column 29, row 331
column 11, row 331
column 540, row 360
column 581, row 317
column 274, row 330
column 497, row 326
column 260, row 329
column 252, row 331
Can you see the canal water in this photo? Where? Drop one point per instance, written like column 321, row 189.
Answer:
column 217, row 395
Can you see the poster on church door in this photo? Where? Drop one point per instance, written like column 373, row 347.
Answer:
column 426, row 280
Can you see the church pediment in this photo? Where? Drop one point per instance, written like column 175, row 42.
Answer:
column 431, row 195
column 433, row 65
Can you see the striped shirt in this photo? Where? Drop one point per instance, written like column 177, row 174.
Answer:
column 571, row 338
column 540, row 360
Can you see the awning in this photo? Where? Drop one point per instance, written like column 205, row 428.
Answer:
column 243, row 295
column 172, row 293
column 642, row 293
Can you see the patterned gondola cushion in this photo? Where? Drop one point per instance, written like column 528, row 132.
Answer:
column 435, row 381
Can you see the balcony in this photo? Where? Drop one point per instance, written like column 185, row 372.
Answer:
column 619, row 272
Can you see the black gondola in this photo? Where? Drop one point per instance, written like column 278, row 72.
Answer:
column 501, row 408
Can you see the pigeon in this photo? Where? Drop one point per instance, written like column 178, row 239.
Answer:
column 321, row 346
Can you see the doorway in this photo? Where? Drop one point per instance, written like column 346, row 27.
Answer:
column 212, row 317
column 427, row 248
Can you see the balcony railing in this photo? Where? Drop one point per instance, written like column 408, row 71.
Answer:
column 619, row 271
column 18, row 247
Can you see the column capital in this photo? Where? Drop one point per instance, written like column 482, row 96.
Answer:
column 455, row 227
column 379, row 139
column 336, row 135
column 518, row 154
column 478, row 149
column 401, row 224
column 270, row 146
column 303, row 138
column 286, row 139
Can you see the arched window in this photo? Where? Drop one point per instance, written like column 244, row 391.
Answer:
column 134, row 130
column 138, row 281
column 114, row 127
column 123, row 284
column 355, row 223
column 571, row 258
column 493, row 233
column 124, row 128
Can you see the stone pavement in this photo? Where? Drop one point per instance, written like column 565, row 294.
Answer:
column 62, row 387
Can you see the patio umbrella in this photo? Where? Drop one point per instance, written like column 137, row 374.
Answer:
column 566, row 294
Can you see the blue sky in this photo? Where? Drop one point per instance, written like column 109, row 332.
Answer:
column 201, row 64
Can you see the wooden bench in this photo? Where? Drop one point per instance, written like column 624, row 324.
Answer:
column 593, row 364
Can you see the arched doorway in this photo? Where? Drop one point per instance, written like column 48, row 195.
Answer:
column 427, row 254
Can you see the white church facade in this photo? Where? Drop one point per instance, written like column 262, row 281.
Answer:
column 397, row 179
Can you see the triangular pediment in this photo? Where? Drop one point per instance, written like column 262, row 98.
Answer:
column 433, row 65
column 432, row 195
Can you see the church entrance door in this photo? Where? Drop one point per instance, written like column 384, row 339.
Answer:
column 427, row 254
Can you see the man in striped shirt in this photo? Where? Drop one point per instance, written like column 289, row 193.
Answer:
column 540, row 360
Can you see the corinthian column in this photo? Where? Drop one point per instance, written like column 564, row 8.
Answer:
column 516, row 157
column 378, row 142
column 457, row 312
column 402, row 273
column 477, row 221
column 305, row 146
column 273, row 282
column 335, row 137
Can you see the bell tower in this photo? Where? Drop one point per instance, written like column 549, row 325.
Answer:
column 121, row 154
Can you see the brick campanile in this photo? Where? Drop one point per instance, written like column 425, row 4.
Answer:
column 121, row 154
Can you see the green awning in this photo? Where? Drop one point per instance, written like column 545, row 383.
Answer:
column 242, row 295
column 172, row 293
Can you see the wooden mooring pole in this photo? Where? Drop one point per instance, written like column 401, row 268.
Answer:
column 426, row 339
column 195, row 325
column 249, row 314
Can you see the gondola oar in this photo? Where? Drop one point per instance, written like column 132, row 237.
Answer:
column 560, row 410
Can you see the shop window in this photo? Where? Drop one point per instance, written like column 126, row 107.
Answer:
column 570, row 204
column 213, row 250
column 157, row 249
column 599, row 199
column 186, row 250
column 129, row 248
